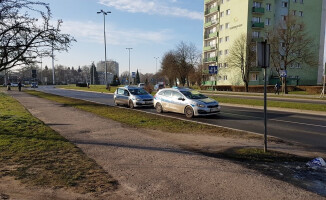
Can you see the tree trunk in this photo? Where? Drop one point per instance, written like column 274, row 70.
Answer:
column 247, row 86
column 285, row 86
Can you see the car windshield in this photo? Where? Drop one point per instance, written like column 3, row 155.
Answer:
column 138, row 91
column 192, row 94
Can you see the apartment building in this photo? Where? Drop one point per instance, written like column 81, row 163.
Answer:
column 226, row 20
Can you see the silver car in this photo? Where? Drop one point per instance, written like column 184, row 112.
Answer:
column 185, row 101
column 132, row 97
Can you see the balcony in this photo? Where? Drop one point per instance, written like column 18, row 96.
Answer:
column 208, row 1
column 209, row 48
column 212, row 10
column 212, row 59
column 257, row 25
column 211, row 23
column 211, row 35
column 258, row 10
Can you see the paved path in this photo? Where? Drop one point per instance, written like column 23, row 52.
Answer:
column 147, row 167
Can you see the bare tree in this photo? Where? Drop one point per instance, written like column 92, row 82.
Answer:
column 187, row 57
column 169, row 67
column 242, row 55
column 290, row 45
column 26, row 32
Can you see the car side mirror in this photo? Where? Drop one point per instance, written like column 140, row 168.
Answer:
column 181, row 99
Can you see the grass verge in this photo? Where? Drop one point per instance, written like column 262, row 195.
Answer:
column 144, row 120
column 276, row 104
column 93, row 88
column 37, row 155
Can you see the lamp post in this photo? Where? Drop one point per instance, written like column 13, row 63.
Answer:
column 129, row 64
column 106, row 67
column 156, row 63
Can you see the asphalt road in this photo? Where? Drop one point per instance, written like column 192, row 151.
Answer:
column 296, row 127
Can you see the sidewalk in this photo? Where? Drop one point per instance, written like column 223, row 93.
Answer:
column 152, row 165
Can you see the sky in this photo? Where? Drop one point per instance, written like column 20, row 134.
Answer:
column 150, row 27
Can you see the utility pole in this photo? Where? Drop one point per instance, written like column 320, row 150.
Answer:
column 106, row 67
column 156, row 64
column 129, row 65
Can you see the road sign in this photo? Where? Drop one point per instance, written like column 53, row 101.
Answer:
column 283, row 73
column 33, row 73
column 212, row 69
column 133, row 74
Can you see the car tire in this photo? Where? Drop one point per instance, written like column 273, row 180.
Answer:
column 189, row 112
column 131, row 105
column 159, row 108
column 115, row 103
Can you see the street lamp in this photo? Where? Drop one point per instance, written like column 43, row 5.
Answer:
column 156, row 63
column 106, row 68
column 129, row 64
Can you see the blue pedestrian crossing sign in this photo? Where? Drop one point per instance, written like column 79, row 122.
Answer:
column 212, row 69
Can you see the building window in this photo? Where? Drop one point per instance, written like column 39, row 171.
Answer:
column 267, row 21
column 294, row 12
column 226, row 25
column 283, row 44
column 268, row 6
column 228, row 12
column 255, row 34
column 254, row 77
column 257, row 4
column 301, row 1
column 222, row 1
column 284, row 4
column 283, row 17
column 225, row 78
column 301, row 13
column 221, row 40
column 295, row 1
column 220, row 53
column 256, row 19
column 227, row 38
column 226, row 52
column 222, row 14
column 226, row 65
column 220, row 65
column 221, row 27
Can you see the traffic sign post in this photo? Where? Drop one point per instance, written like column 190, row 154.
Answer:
column 263, row 55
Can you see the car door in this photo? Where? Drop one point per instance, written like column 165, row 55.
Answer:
column 166, row 100
column 178, row 102
column 125, row 97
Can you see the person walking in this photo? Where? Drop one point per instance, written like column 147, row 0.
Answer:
column 277, row 88
column 20, row 86
column 8, row 86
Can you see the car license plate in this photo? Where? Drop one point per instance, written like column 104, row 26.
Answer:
column 214, row 109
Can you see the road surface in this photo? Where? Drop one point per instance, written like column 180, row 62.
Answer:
column 295, row 127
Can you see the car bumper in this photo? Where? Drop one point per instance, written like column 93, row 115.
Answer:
column 206, row 111
column 143, row 103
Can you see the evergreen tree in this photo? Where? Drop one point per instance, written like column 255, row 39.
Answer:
column 94, row 76
column 115, row 81
column 137, row 77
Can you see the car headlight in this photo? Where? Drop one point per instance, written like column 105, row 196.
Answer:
column 138, row 99
column 200, row 105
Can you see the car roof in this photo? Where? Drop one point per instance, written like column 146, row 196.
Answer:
column 176, row 89
column 130, row 87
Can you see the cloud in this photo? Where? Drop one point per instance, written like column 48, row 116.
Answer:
column 93, row 33
column 152, row 7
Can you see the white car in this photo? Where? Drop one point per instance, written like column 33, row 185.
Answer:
column 185, row 101
column 132, row 97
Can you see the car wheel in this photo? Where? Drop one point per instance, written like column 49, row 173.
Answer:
column 159, row 108
column 115, row 103
column 131, row 104
column 189, row 112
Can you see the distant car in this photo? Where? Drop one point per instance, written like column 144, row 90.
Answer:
column 34, row 85
column 141, row 85
column 158, row 86
column 14, row 84
column 133, row 97
column 186, row 101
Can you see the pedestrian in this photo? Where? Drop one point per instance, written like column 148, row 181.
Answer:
column 277, row 88
column 20, row 86
column 87, row 84
column 8, row 86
